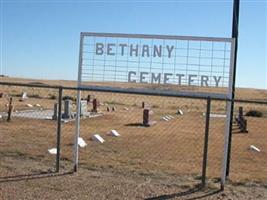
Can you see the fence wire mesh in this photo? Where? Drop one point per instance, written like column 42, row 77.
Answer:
column 26, row 138
column 172, row 145
column 249, row 155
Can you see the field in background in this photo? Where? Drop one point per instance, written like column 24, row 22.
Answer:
column 167, row 149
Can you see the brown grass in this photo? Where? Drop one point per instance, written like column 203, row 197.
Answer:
column 172, row 148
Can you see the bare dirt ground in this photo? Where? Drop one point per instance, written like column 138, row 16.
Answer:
column 160, row 162
column 88, row 184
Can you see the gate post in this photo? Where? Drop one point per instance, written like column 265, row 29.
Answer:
column 206, row 140
column 59, row 127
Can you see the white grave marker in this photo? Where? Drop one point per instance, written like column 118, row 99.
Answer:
column 52, row 151
column 29, row 105
column 98, row 138
column 252, row 147
column 24, row 96
column 114, row 133
column 180, row 112
column 81, row 142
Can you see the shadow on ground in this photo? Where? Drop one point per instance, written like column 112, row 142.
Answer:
column 198, row 192
column 32, row 176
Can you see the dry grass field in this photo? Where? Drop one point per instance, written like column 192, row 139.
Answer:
column 164, row 160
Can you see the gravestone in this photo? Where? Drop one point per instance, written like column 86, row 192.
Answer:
column 67, row 109
column 83, row 107
column 54, row 117
column 88, row 98
column 241, row 121
column 94, row 105
column 147, row 117
column 10, row 109
column 23, row 96
column 98, row 138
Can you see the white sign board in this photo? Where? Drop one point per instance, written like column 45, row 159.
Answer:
column 156, row 59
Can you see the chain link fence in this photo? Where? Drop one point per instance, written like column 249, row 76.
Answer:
column 37, row 140
column 30, row 132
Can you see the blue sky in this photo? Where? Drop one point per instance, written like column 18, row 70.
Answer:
column 40, row 39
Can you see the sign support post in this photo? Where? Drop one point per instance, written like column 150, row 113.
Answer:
column 235, row 36
column 78, row 109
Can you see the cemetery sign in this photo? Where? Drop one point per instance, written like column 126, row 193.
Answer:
column 156, row 59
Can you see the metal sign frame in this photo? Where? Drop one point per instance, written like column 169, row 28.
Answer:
column 219, row 96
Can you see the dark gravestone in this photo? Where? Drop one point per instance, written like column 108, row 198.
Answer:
column 67, row 109
column 10, row 110
column 241, row 121
column 146, row 117
column 54, row 117
column 94, row 105
column 88, row 98
column 240, row 112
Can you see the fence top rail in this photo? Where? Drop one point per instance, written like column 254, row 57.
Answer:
column 140, row 91
column 152, row 92
column 150, row 36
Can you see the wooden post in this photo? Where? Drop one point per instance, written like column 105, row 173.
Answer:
column 143, row 104
column 10, row 109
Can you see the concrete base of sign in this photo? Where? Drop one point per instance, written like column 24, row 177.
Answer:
column 98, row 138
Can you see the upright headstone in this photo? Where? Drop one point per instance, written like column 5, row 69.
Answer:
column 146, row 117
column 54, row 117
column 67, row 109
column 10, row 110
column 240, row 112
column 88, row 98
column 94, row 105
column 83, row 107
column 23, row 96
